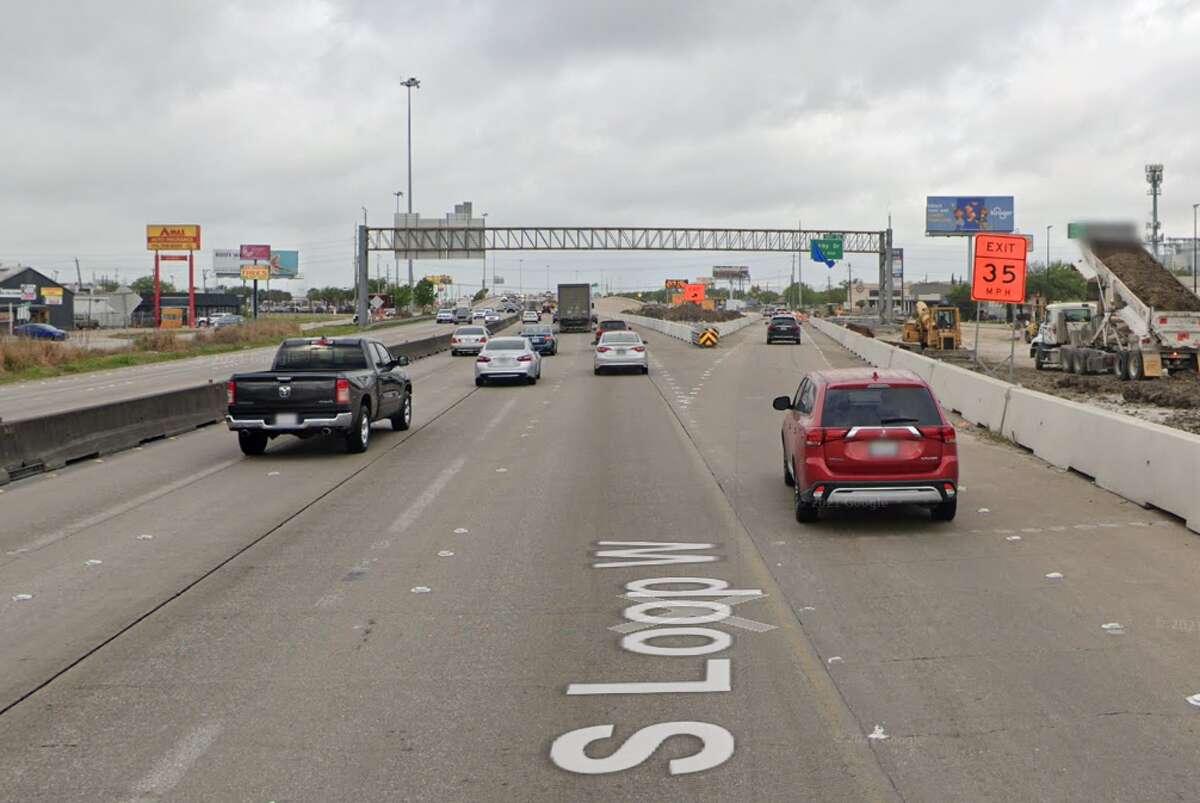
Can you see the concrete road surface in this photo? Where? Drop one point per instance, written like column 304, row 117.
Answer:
column 454, row 615
column 42, row 397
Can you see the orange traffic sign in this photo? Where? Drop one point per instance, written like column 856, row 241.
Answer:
column 693, row 294
column 999, row 269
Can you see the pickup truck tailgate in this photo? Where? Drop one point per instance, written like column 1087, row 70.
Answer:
column 301, row 392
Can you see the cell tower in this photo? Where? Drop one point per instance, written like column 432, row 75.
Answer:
column 1154, row 177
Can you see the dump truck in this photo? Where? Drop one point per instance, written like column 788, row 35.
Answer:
column 574, row 308
column 1146, row 323
column 936, row 328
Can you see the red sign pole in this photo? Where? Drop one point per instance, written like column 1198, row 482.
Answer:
column 157, row 294
column 191, row 288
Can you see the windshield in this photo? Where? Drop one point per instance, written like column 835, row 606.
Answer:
column 1080, row 315
column 506, row 344
column 873, row 407
column 318, row 357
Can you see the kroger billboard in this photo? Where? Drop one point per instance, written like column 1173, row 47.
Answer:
column 959, row 214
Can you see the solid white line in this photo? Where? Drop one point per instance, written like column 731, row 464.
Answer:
column 171, row 768
column 427, row 497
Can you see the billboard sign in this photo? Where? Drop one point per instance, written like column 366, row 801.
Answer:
column 173, row 238
column 29, row 292
column 53, row 296
column 283, row 264
column 897, row 263
column 675, row 284
column 731, row 272
column 255, row 252
column 256, row 273
column 999, row 273
column 962, row 214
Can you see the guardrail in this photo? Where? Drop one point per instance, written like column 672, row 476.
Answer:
column 1148, row 464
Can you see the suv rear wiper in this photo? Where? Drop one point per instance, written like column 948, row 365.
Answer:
column 886, row 421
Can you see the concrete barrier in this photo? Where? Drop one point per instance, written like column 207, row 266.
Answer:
column 50, row 442
column 1148, row 464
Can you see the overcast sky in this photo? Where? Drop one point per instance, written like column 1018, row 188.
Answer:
column 276, row 122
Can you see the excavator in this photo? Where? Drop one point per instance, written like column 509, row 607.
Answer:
column 937, row 328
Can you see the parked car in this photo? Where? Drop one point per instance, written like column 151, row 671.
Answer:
column 541, row 337
column 220, row 321
column 445, row 316
column 620, row 349
column 39, row 331
column 468, row 340
column 783, row 327
column 320, row 386
column 867, row 438
column 530, row 316
column 87, row 323
column 508, row 358
column 609, row 326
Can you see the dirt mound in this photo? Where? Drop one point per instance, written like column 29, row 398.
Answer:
column 685, row 313
column 1162, row 393
column 1148, row 280
column 860, row 329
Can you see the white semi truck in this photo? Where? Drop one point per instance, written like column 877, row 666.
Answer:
column 1146, row 323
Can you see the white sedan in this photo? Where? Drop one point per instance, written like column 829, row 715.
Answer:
column 621, row 349
column 530, row 316
column 490, row 317
column 508, row 358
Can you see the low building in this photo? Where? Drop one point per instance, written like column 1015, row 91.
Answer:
column 111, row 310
column 48, row 301
column 207, row 305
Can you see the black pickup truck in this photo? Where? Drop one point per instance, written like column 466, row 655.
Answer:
column 318, row 386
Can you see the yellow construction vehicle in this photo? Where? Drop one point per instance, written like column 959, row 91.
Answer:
column 1035, row 321
column 937, row 328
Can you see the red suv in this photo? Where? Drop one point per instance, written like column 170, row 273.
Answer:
column 865, row 437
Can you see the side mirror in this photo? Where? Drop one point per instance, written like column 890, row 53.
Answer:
column 782, row 403
column 402, row 360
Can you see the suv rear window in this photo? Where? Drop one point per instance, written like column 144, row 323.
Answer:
column 783, row 321
column 880, row 406
column 613, row 325
column 316, row 357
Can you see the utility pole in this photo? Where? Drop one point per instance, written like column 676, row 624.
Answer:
column 1194, row 208
column 1154, row 177
column 411, row 83
column 1048, row 245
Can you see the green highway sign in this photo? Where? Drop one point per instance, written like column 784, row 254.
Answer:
column 830, row 247
column 1076, row 231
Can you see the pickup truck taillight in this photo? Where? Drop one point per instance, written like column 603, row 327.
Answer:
column 230, row 392
column 342, row 394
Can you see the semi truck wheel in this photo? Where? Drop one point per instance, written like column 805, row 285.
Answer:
column 1137, row 369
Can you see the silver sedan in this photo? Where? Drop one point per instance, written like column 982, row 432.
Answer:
column 508, row 358
column 622, row 349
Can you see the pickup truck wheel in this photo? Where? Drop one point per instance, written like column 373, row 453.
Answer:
column 359, row 435
column 403, row 419
column 945, row 511
column 252, row 443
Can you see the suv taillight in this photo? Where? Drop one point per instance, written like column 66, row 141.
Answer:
column 231, row 393
column 342, row 395
column 819, row 435
column 946, row 434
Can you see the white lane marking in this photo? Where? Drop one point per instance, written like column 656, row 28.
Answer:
column 1194, row 700
column 834, row 659
column 445, row 553
column 1012, row 538
column 145, row 537
column 171, row 768
column 426, row 497
column 984, row 510
column 92, row 562
column 272, row 473
column 461, row 530
column 116, row 510
column 22, row 597
column 501, row 470
column 877, row 734
column 421, row 589
column 1113, row 628
column 1054, row 576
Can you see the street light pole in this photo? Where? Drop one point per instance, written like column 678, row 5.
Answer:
column 410, row 84
column 1048, row 245
column 1194, row 207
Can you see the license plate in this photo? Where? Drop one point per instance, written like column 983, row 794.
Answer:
column 286, row 419
column 884, row 449
column 620, row 352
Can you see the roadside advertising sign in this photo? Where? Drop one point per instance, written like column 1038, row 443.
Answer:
column 999, row 273
column 897, row 263
column 731, row 272
column 675, row 284
column 255, row 252
column 283, row 264
column 256, row 273
column 693, row 294
column 53, row 296
column 963, row 214
column 29, row 292
column 173, row 238
column 13, row 293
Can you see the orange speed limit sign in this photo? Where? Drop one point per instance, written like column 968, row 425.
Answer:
column 999, row 269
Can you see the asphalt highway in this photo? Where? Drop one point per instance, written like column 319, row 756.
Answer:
column 467, row 611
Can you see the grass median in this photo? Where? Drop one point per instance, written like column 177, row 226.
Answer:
column 23, row 360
